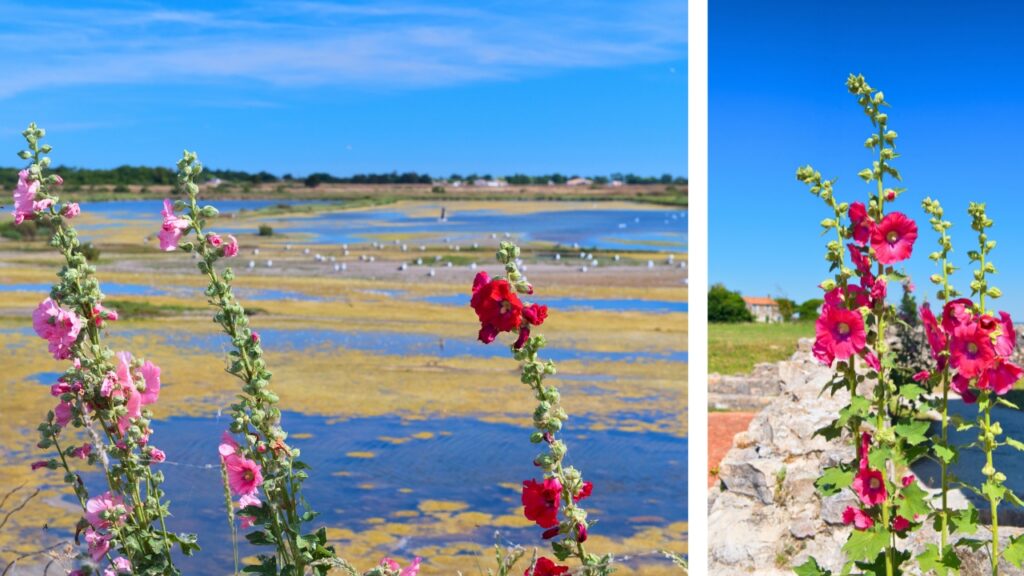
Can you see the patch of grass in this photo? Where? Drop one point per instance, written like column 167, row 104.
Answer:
column 735, row 348
column 137, row 309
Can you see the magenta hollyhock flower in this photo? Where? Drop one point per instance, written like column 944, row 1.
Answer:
column 936, row 336
column 83, row 451
column 922, row 376
column 877, row 289
column 957, row 312
column 860, row 261
column 535, row 314
column 541, row 501
column 822, row 353
column 860, row 223
column 151, row 376
column 173, row 228
column 231, row 248
column 1000, row 376
column 524, row 335
column 899, row 524
column 970, row 350
column 1006, row 341
column 907, row 480
column 40, row 464
column 834, row 297
column 840, row 332
column 98, row 544
column 62, row 414
column 244, row 475
column 105, row 504
column 893, row 238
column 857, row 517
column 250, row 500
column 581, row 533
column 869, row 486
column 871, row 359
column 546, row 567
column 247, row 521
column 962, row 386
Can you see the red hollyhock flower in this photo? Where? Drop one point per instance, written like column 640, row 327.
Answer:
column 524, row 335
column 535, row 314
column 857, row 517
column 1000, row 376
column 545, row 567
column 936, row 336
column 860, row 223
column 970, row 350
column 840, row 332
column 497, row 306
column 899, row 524
column 541, row 501
column 868, row 484
column 585, row 491
column 893, row 238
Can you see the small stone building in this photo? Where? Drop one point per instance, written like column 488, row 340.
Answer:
column 763, row 308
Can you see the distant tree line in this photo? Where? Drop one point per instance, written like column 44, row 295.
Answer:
column 160, row 176
column 726, row 305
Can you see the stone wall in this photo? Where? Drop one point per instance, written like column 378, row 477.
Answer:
column 746, row 392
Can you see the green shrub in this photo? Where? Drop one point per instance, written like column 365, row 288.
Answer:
column 266, row 230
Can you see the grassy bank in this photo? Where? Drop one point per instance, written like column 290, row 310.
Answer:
column 735, row 348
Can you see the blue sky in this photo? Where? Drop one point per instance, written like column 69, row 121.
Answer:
column 777, row 100
column 439, row 87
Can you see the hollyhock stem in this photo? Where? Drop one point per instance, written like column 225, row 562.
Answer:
column 230, row 506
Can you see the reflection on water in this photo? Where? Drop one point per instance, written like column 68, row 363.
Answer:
column 390, row 344
column 413, row 461
column 647, row 229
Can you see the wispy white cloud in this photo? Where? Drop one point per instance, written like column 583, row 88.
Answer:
column 308, row 44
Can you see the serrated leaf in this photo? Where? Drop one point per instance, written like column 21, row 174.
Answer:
column 911, row 391
column 914, row 501
column 913, row 433
column 947, row 455
column 1014, row 551
column 865, row 545
column 964, row 521
column 931, row 560
column 833, row 480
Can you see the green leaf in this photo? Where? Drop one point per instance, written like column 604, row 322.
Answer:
column 911, row 391
column 811, row 568
column 1014, row 552
column 931, row 560
column 1007, row 403
column 993, row 491
column 833, row 480
column 866, row 545
column 945, row 454
column 914, row 501
column 913, row 433
column 965, row 520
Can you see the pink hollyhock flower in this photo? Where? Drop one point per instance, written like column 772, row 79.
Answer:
column 957, row 312
column 250, row 500
column 936, row 336
column 390, row 564
column 173, row 228
column 834, row 297
column 585, row 491
column 214, row 239
column 1006, row 341
column 893, row 238
column 545, row 567
column 581, row 533
column 497, row 306
column 101, row 314
column 970, row 350
column 962, row 386
column 24, row 197
column 877, row 289
column 108, row 385
column 151, row 375
column 244, row 475
column 231, row 248
column 40, row 464
column 535, row 314
column 922, row 376
column 106, row 504
column 899, row 524
column 71, row 210
column 247, row 521
column 58, row 326
column 541, row 501
column 62, row 414
column 857, row 517
column 123, row 565
column 1000, row 376
column 156, row 455
column 860, row 223
column 227, row 446
column 823, row 353
column 841, row 332
column 82, row 452
column 98, row 544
